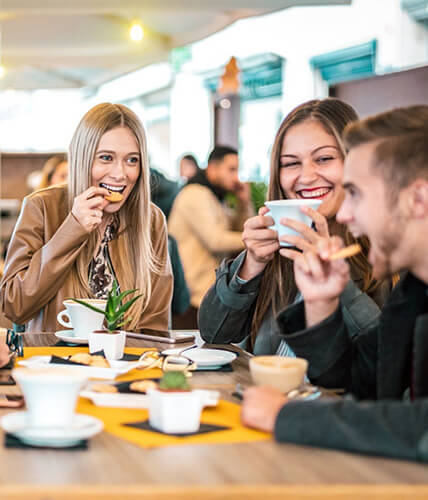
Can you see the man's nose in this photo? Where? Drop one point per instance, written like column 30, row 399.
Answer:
column 344, row 215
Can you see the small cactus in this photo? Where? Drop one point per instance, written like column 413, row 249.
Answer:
column 174, row 381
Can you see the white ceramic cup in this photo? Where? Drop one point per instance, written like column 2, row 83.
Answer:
column 279, row 209
column 82, row 319
column 50, row 394
column 283, row 373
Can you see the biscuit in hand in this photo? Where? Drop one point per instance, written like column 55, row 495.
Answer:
column 114, row 197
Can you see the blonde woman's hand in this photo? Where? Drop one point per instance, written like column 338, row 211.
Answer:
column 309, row 239
column 261, row 243
column 88, row 207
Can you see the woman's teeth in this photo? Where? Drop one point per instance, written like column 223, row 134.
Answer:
column 313, row 193
column 115, row 189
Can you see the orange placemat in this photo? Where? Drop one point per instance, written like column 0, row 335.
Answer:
column 224, row 414
column 66, row 351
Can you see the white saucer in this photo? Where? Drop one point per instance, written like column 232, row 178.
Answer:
column 69, row 337
column 84, row 427
column 205, row 357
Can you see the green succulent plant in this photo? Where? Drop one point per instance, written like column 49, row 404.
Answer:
column 114, row 313
column 174, row 380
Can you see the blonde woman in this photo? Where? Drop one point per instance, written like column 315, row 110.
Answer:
column 73, row 241
column 306, row 163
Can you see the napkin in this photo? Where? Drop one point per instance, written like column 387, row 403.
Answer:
column 203, row 429
column 11, row 441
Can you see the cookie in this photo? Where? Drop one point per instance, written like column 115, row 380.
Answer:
column 143, row 385
column 114, row 197
column 107, row 388
column 99, row 362
column 81, row 357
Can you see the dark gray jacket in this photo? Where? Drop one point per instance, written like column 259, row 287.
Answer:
column 380, row 363
column 227, row 310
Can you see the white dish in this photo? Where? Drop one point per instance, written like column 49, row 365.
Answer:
column 205, row 357
column 83, row 427
column 127, row 400
column 117, row 400
column 69, row 337
column 116, row 367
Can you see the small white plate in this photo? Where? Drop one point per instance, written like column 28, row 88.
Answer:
column 69, row 337
column 116, row 367
column 84, row 427
column 117, row 400
column 205, row 357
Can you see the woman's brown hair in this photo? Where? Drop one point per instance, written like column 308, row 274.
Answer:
column 278, row 287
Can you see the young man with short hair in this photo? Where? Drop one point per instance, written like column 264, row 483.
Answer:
column 386, row 182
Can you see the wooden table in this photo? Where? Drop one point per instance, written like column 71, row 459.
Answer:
column 114, row 469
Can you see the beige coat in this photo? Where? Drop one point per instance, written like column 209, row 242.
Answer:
column 45, row 244
column 206, row 233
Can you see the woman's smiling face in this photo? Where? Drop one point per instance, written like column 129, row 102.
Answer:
column 117, row 164
column 311, row 166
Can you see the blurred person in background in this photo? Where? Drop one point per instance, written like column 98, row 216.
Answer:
column 306, row 163
column 188, row 167
column 76, row 239
column 206, row 230
column 55, row 171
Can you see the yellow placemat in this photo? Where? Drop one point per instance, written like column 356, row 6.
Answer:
column 225, row 413
column 66, row 351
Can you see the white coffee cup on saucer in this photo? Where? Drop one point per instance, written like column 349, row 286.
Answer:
column 278, row 209
column 80, row 318
column 50, row 394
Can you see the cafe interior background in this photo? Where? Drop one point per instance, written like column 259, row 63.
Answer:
column 196, row 72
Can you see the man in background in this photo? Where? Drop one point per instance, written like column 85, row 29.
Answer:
column 206, row 230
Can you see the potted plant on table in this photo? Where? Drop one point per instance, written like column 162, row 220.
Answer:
column 111, row 339
column 173, row 407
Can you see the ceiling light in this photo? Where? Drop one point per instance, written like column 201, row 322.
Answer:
column 136, row 31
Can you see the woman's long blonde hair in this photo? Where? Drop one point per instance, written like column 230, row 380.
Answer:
column 137, row 259
column 278, row 287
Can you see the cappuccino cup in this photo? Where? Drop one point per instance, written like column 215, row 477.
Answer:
column 50, row 394
column 278, row 209
column 283, row 373
column 82, row 319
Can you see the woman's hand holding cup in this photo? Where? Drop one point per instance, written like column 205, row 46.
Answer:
column 88, row 207
column 261, row 243
column 309, row 238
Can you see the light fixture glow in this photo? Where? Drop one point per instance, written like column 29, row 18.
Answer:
column 136, row 31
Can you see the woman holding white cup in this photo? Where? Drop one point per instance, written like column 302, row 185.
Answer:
column 306, row 164
column 75, row 240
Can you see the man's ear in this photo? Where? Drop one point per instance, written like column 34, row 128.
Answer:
column 417, row 198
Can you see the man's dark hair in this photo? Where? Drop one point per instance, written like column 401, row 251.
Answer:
column 219, row 152
column 400, row 136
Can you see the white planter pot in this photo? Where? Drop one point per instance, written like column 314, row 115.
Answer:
column 175, row 412
column 112, row 343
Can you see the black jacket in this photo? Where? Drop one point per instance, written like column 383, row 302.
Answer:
column 380, row 363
